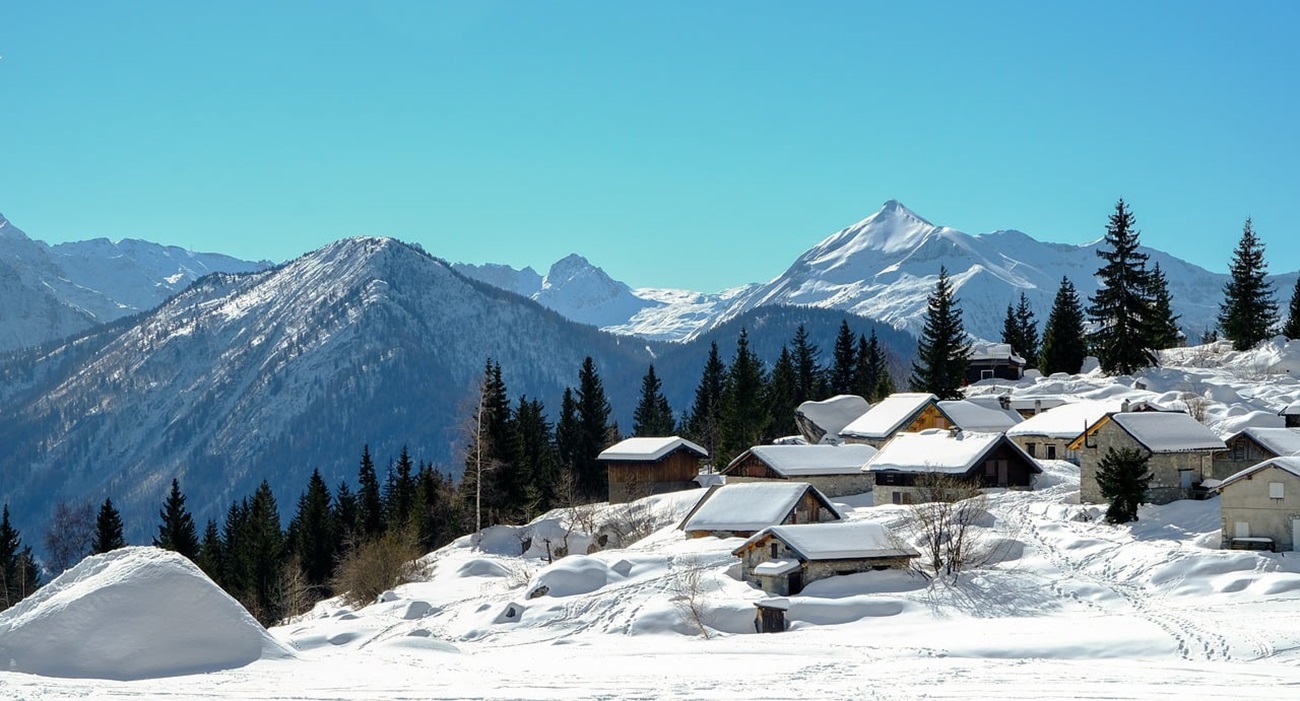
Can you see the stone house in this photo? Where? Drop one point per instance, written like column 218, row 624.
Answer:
column 901, row 469
column 1179, row 450
column 835, row 470
column 782, row 560
column 1260, row 506
column 994, row 361
column 1253, row 445
column 1048, row 435
column 897, row 413
column 741, row 510
column 822, row 421
column 639, row 467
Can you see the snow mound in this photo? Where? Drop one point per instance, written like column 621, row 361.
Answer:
column 576, row 574
column 134, row 613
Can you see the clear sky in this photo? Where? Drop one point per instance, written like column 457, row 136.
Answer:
column 687, row 144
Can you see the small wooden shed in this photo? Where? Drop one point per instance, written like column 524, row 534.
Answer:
column 639, row 467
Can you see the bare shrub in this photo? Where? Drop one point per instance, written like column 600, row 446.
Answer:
column 627, row 524
column 1197, row 405
column 294, row 595
column 372, row 567
column 945, row 520
column 688, row 595
column 70, row 535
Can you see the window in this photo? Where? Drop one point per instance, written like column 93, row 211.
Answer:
column 1276, row 490
column 1239, row 451
column 773, row 550
column 986, row 374
column 1051, row 452
column 1032, row 449
column 898, row 497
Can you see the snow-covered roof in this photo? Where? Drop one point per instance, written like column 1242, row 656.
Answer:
column 1065, row 421
column 844, row 540
column 749, row 506
column 1167, row 431
column 775, row 568
column 936, row 450
column 1290, row 410
column 994, row 351
column 1287, row 463
column 809, row 460
column 648, row 449
column 888, row 415
column 1278, row 441
column 970, row 415
column 1037, row 403
column 829, row 416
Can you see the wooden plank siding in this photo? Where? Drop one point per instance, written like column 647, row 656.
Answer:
column 630, row 479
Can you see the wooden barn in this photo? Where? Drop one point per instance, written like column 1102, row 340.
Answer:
column 898, row 413
column 741, row 510
column 639, row 467
column 835, row 470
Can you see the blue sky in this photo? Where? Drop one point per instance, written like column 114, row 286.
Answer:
column 687, row 144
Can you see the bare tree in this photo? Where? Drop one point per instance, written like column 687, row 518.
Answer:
column 944, row 519
column 688, row 594
column 70, row 534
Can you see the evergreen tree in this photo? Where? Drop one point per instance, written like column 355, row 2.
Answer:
column 537, row 455
column 1292, row 327
column 1123, row 478
column 943, row 351
column 177, row 531
column 108, row 530
column 566, row 436
column 594, row 432
column 704, row 423
column 653, row 415
column 212, row 555
column 808, row 369
column 370, row 503
column 744, row 412
column 1164, row 331
column 845, row 360
column 1063, row 343
column 346, row 516
column 1248, row 311
column 263, row 553
column 872, row 380
column 19, row 575
column 435, row 517
column 1021, row 332
column 1121, row 308
column 314, row 533
column 399, row 492
column 234, row 562
column 780, row 398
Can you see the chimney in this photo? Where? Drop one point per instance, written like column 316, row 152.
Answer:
column 1124, row 406
column 1038, row 406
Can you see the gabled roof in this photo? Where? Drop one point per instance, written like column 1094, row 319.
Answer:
column 648, row 449
column 809, row 460
column 1278, row 441
column 937, row 450
column 1290, row 463
column 970, row 415
column 841, row 540
column 749, row 506
column 1161, row 431
column 829, row 416
column 994, row 351
column 889, row 415
column 1067, row 421
column 1290, row 410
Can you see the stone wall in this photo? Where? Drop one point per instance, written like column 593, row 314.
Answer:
column 1248, row 501
column 1166, row 468
column 830, row 485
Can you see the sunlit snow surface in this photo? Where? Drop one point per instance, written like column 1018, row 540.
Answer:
column 1071, row 608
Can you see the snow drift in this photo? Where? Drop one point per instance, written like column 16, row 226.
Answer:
column 178, row 622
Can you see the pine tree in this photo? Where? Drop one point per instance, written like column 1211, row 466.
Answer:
column 1248, row 311
column 434, row 497
column 1121, row 309
column 314, row 532
column 1021, row 332
column 19, row 575
column 263, row 552
column 808, row 369
column 1123, row 479
column 1292, row 327
column 108, row 529
column 399, row 492
column 1164, row 331
column 744, row 413
column 1063, row 344
column 872, row 380
column 346, row 516
column 653, row 415
column 234, row 538
column 780, row 398
column 943, row 351
column 212, row 555
column 566, row 436
column 370, row 503
column 177, row 531
column 536, row 457
column 594, row 432
column 845, row 358
column 704, row 423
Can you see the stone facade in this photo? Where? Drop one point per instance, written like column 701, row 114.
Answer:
column 1174, row 475
column 830, row 485
column 1043, row 447
column 809, row 571
column 1248, row 509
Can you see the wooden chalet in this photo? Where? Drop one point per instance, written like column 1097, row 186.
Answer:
column 835, row 470
column 639, row 467
column 1253, row 445
column 902, row 468
column 741, row 510
column 898, row 413
column 994, row 361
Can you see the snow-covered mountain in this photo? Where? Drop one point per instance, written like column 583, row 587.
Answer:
column 274, row 373
column 883, row 268
column 49, row 292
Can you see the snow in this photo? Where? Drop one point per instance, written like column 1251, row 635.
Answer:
column 1065, row 421
column 888, row 415
column 648, row 448
column 994, row 351
column 806, row 460
column 1279, row 441
column 836, row 540
column 776, row 568
column 747, row 506
column 830, row 415
column 133, row 613
column 1288, row 463
column 1167, row 432
column 934, row 450
column 970, row 415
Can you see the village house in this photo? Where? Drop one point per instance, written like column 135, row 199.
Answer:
column 822, row 421
column 1291, row 415
column 741, row 510
column 897, row 413
column 1260, row 506
column 983, row 414
column 1048, row 435
column 782, row 560
column 1179, row 451
column 639, row 467
column 1032, row 406
column 835, row 470
column 994, row 361
column 901, row 469
column 1253, row 445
